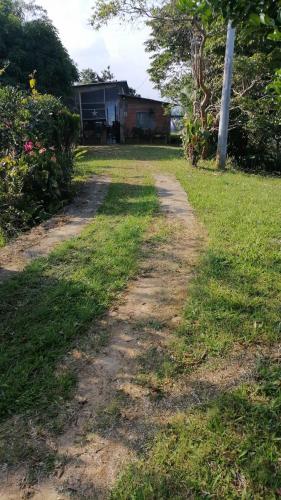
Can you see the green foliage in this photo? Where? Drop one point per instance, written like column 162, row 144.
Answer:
column 90, row 76
column 255, row 113
column 252, row 13
column 176, row 28
column 33, row 44
column 37, row 136
column 194, row 139
column 255, row 121
column 170, row 46
column 104, row 11
column 275, row 86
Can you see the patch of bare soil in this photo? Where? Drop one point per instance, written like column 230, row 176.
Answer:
column 116, row 413
column 41, row 240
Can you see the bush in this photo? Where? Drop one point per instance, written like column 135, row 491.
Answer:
column 37, row 139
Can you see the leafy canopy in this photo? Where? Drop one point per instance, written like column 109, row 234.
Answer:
column 253, row 12
column 29, row 41
column 88, row 75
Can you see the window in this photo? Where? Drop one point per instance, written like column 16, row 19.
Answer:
column 94, row 96
column 145, row 120
column 93, row 106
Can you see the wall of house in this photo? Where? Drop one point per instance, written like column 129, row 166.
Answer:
column 98, row 105
column 160, row 122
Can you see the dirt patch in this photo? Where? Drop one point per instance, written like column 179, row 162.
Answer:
column 41, row 240
column 117, row 414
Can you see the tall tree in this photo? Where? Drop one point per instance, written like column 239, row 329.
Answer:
column 250, row 12
column 88, row 75
column 29, row 41
column 179, row 63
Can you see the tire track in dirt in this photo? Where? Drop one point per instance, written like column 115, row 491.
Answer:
column 117, row 414
column 42, row 239
column 103, row 440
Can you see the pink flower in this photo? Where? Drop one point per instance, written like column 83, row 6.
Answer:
column 28, row 146
column 42, row 151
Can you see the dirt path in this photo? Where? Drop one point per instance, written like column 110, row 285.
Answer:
column 118, row 410
column 41, row 240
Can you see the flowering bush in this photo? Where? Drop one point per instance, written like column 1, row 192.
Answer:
column 37, row 139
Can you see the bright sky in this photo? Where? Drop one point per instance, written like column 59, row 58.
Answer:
column 116, row 45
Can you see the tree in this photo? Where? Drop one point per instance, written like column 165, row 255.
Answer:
column 29, row 41
column 105, row 10
column 157, row 13
column 254, row 114
column 187, row 46
column 88, row 75
column 267, row 12
column 250, row 12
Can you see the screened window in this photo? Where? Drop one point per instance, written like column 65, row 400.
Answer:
column 145, row 120
column 93, row 96
column 93, row 106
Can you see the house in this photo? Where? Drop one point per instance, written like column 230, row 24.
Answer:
column 110, row 114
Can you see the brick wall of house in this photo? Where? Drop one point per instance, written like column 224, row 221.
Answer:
column 134, row 105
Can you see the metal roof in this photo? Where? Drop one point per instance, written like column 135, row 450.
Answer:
column 143, row 98
column 121, row 82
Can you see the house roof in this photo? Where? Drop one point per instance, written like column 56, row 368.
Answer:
column 143, row 98
column 119, row 83
column 96, row 84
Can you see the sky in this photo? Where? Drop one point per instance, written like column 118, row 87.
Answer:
column 121, row 47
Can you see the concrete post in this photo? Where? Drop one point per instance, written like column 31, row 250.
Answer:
column 225, row 101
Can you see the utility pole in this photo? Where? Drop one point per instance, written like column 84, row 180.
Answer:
column 225, row 100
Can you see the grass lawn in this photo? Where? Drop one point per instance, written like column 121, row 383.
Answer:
column 47, row 309
column 230, row 448
column 2, row 240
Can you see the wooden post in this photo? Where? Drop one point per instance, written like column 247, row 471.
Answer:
column 81, row 116
column 225, row 100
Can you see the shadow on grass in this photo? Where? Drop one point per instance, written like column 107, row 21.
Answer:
column 41, row 319
column 229, row 448
column 47, row 307
column 232, row 301
column 134, row 152
column 148, row 153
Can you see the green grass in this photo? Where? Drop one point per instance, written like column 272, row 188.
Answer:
column 49, row 306
column 236, row 295
column 229, row 448
column 2, row 240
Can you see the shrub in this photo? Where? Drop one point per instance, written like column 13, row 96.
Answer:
column 37, row 139
column 195, row 140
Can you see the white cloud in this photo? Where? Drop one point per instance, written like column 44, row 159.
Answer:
column 118, row 46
